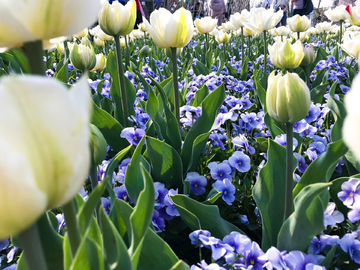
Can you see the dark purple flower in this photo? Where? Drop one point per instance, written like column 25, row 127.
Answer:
column 227, row 190
column 332, row 216
column 121, row 193
column 302, row 166
column 4, row 243
column 297, row 260
column 313, row 113
column 354, row 215
column 250, row 119
column 253, row 257
column 299, row 126
column 241, row 141
column 158, row 222
column 194, row 236
column 160, row 193
column 171, row 208
column 197, row 183
column 350, row 192
column 132, row 135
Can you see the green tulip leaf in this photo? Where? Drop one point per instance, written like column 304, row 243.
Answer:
column 205, row 217
column 306, row 221
column 209, row 110
column 88, row 257
column 269, row 193
column 199, row 97
column 320, row 170
column 165, row 162
column 272, row 126
column 318, row 92
column 339, row 112
column 109, row 127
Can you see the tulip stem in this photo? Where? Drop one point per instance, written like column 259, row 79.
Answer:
column 307, row 71
column 224, row 48
column 33, row 250
column 298, row 35
column 72, row 226
column 176, row 84
column 127, row 55
column 340, row 35
column 122, row 84
column 289, row 171
column 265, row 55
column 207, row 41
column 34, row 53
column 249, row 47
column 242, row 42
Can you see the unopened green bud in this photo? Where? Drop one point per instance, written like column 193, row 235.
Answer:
column 287, row 97
column 145, row 51
column 83, row 57
column 178, row 52
column 309, row 56
column 98, row 146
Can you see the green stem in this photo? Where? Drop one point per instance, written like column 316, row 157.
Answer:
column 224, row 48
column 242, row 42
column 33, row 250
column 340, row 35
column 93, row 177
column 176, row 84
column 207, row 41
column 289, row 171
column 127, row 55
column 34, row 53
column 265, row 54
column 249, row 47
column 298, row 35
column 122, row 82
column 72, row 226
column 228, row 134
column 307, row 71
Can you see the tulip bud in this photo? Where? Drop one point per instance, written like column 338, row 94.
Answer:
column 142, row 27
column 205, row 25
column 82, row 34
column 60, row 48
column 287, row 97
column 309, row 56
column 83, row 57
column 298, row 23
column 116, row 19
column 98, row 146
column 122, row 43
column 178, row 52
column 99, row 42
column 286, row 56
column 145, row 51
column 222, row 37
column 100, row 62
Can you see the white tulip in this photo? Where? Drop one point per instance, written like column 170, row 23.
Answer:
column 352, row 46
column 350, row 130
column 324, row 26
column 170, row 30
column 261, row 19
column 336, row 14
column 205, row 25
column 30, row 20
column 44, row 147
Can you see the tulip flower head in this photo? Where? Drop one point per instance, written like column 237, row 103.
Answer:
column 82, row 34
column 309, row 56
column 350, row 128
column 286, row 56
column 205, row 25
column 223, row 37
column 287, row 97
column 48, row 142
column 261, row 19
column 100, row 62
column 324, row 26
column 170, row 30
column 298, row 23
column 116, row 19
column 83, row 57
column 237, row 18
column 353, row 14
column 281, row 31
column 24, row 21
column 337, row 14
column 352, row 46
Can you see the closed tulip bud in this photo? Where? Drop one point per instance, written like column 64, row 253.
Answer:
column 122, row 43
column 100, row 62
column 98, row 146
column 170, row 30
column 142, row 27
column 237, row 18
column 281, row 31
column 145, row 51
column 286, row 56
column 99, row 42
column 309, row 56
column 25, row 21
column 178, row 52
column 205, row 25
column 60, row 48
column 352, row 46
column 97, row 32
column 248, row 32
column 223, row 37
column 287, row 97
column 350, row 128
column 116, row 19
column 48, row 144
column 228, row 26
column 82, row 34
column 298, row 23
column 83, row 57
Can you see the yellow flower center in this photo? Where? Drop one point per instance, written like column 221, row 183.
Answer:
column 239, row 162
column 225, row 192
column 195, row 185
column 351, row 194
column 221, row 174
column 252, row 261
column 135, row 139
